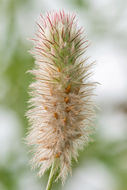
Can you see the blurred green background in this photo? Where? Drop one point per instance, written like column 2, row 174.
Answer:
column 103, row 164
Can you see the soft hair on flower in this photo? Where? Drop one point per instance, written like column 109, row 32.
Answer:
column 61, row 107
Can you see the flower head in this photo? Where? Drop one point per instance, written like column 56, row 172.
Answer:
column 61, row 105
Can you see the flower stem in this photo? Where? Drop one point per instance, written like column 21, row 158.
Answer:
column 51, row 177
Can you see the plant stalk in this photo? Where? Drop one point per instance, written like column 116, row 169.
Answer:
column 51, row 177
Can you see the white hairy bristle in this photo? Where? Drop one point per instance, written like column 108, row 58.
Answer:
column 61, row 107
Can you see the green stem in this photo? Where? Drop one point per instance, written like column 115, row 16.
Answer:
column 51, row 177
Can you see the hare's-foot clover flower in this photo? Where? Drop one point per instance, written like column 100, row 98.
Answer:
column 61, row 105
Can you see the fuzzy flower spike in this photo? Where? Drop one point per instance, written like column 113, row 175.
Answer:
column 61, row 108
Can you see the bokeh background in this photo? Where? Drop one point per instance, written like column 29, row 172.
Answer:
column 103, row 164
